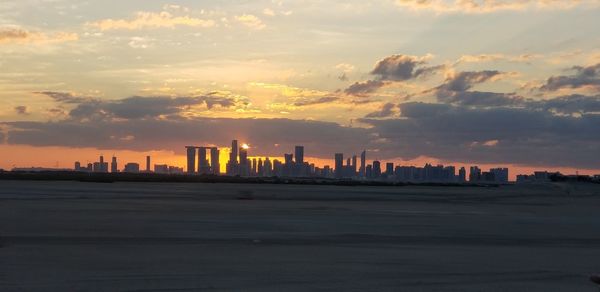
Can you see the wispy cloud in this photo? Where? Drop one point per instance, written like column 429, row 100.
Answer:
column 489, row 6
column 145, row 20
column 16, row 35
column 251, row 21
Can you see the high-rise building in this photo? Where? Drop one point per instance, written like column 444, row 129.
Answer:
column 77, row 166
column 339, row 165
column 474, row 174
column 214, row 161
column 161, row 168
column 376, row 169
column 244, row 166
column 261, row 170
column 354, row 166
column 299, row 155
column 389, row 169
column 114, row 167
column 500, row 174
column 148, row 164
column 203, row 167
column 191, row 159
column 369, row 171
column 268, row 167
column 101, row 166
column 462, row 175
column 132, row 168
column 363, row 163
column 234, row 151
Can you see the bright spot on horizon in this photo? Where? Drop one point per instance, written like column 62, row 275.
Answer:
column 245, row 146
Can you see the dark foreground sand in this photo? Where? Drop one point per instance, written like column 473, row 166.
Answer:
column 66, row 236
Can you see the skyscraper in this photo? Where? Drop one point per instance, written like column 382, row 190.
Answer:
column 299, row 155
column 244, row 167
column 474, row 174
column 191, row 159
column 148, row 164
column 376, row 169
column 114, row 168
column 234, row 152
column 389, row 169
column 339, row 165
column 462, row 175
column 203, row 166
column 363, row 163
column 214, row 161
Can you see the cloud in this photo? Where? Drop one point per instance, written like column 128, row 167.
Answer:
column 522, row 135
column 307, row 101
column 321, row 139
column 570, row 105
column 583, row 77
column 486, row 6
column 145, row 20
column 139, row 107
column 524, row 58
column 364, row 88
column 395, row 68
column 64, row 97
column 15, row 35
column 21, row 110
column 251, row 21
column 457, row 90
column 386, row 110
column 402, row 67
column 463, row 81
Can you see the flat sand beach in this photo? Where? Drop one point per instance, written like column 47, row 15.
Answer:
column 72, row 236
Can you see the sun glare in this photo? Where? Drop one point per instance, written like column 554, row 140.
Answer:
column 245, row 146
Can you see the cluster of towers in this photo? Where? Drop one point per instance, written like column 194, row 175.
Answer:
column 203, row 166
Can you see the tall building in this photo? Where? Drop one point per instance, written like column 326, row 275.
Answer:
column 214, row 161
column 376, row 169
column 244, row 166
column 114, row 168
column 474, row 174
column 363, row 164
column 339, row 165
column 148, row 164
column 389, row 169
column 268, row 167
column 191, row 159
column 132, row 168
column 353, row 166
column 299, row 155
column 101, row 166
column 234, row 151
column 203, row 167
column 500, row 174
column 77, row 166
column 161, row 169
column 462, row 175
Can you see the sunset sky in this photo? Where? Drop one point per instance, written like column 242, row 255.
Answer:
column 492, row 82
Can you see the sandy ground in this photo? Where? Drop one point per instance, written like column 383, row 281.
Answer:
column 67, row 236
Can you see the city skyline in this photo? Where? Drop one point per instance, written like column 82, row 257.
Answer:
column 202, row 160
column 513, row 83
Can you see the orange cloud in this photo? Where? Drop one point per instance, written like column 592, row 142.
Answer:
column 145, row 20
column 14, row 35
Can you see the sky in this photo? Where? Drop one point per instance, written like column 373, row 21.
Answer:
column 491, row 82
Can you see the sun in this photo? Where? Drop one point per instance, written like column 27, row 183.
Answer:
column 245, row 146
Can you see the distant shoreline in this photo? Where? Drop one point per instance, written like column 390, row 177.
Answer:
column 166, row 178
